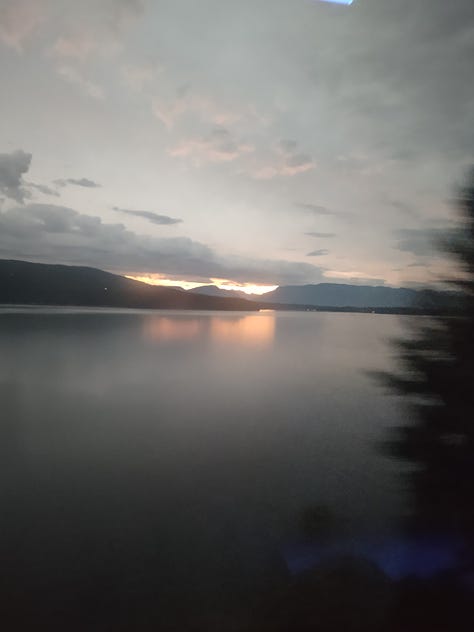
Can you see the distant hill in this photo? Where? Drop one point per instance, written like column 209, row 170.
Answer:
column 212, row 290
column 26, row 283
column 341, row 296
column 357, row 296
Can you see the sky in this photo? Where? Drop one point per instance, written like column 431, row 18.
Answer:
column 256, row 143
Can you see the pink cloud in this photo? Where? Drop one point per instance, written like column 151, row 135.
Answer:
column 169, row 111
column 218, row 146
column 288, row 161
column 19, row 19
column 85, row 33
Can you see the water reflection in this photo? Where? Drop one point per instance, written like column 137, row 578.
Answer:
column 240, row 330
column 160, row 489
column 252, row 330
column 162, row 328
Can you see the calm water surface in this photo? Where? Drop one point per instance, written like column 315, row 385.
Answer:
column 179, row 450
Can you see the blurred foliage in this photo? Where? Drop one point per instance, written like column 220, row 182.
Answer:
column 436, row 376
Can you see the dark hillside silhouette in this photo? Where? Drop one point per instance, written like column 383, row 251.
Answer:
column 22, row 282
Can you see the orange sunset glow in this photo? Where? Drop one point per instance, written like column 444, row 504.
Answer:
column 247, row 288
column 223, row 284
column 152, row 279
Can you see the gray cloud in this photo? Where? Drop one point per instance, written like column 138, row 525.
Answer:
column 319, row 210
column 76, row 77
column 318, row 253
column 315, row 209
column 137, row 77
column 80, row 182
column 288, row 146
column 42, row 188
column 378, row 96
column 286, row 160
column 299, row 161
column 417, row 265
column 424, row 242
column 84, row 27
column 47, row 232
column 321, row 235
column 154, row 218
column 403, row 207
column 420, row 80
column 12, row 168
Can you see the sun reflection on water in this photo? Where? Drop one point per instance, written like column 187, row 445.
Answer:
column 248, row 330
column 158, row 328
column 255, row 329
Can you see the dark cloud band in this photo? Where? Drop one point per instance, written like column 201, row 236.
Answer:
column 154, row 218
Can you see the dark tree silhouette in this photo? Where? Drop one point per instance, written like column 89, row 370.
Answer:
column 436, row 376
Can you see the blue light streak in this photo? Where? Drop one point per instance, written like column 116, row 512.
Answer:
column 339, row 1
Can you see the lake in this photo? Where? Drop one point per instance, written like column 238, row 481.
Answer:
column 159, row 457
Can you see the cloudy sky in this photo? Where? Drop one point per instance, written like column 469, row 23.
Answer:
column 260, row 141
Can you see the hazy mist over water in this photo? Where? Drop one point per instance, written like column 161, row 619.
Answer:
column 184, row 446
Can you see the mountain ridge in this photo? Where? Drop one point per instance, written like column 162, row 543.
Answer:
column 28, row 283
column 338, row 295
column 343, row 295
